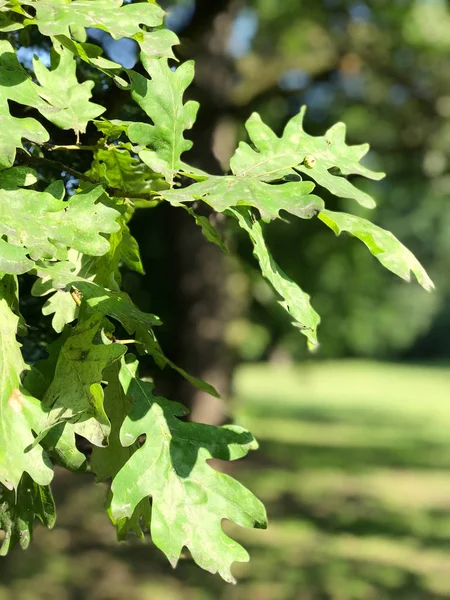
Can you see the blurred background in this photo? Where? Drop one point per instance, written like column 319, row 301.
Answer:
column 354, row 459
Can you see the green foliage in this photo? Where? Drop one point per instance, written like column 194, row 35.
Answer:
column 19, row 413
column 382, row 244
column 18, row 510
column 74, row 249
column 274, row 158
column 295, row 301
column 172, row 464
column 161, row 98
column 227, row 191
column 49, row 225
column 69, row 106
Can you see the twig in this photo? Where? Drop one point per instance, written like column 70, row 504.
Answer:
column 59, row 166
column 53, row 164
column 51, row 147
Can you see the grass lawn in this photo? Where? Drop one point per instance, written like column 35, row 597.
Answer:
column 354, row 468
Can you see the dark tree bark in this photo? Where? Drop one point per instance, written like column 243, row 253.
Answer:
column 198, row 268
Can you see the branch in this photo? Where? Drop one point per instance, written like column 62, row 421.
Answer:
column 60, row 167
column 53, row 164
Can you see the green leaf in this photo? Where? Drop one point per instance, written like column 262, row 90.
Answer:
column 295, row 301
column 112, row 129
column 157, row 44
column 9, row 16
column 75, row 393
column 9, row 290
column 63, row 308
column 11, row 179
column 117, row 305
column 61, row 304
column 391, row 253
column 59, row 442
column 92, row 55
column 69, row 101
column 121, row 171
column 54, row 17
column 19, row 412
column 16, row 85
column 107, row 462
column 296, row 150
column 56, row 278
column 129, row 252
column 189, row 498
column 62, row 277
column 14, row 259
column 161, row 97
column 208, row 229
column 45, row 226
column 225, row 192
column 19, row 511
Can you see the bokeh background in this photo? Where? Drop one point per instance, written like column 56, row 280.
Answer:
column 354, row 459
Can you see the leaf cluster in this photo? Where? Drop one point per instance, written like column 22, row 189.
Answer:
column 74, row 243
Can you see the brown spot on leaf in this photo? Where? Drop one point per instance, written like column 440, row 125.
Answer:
column 15, row 401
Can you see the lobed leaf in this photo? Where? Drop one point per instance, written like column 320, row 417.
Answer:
column 295, row 301
column 19, row 412
column 391, row 253
column 18, row 512
column 161, row 97
column 274, row 158
column 209, row 231
column 116, row 167
column 107, row 462
column 225, row 192
column 59, row 440
column 92, row 55
column 56, row 18
column 46, row 226
column 10, row 20
column 75, row 393
column 69, row 105
column 117, row 305
column 189, row 498
column 62, row 277
column 16, row 85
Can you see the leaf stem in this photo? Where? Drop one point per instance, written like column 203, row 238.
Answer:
column 52, row 147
